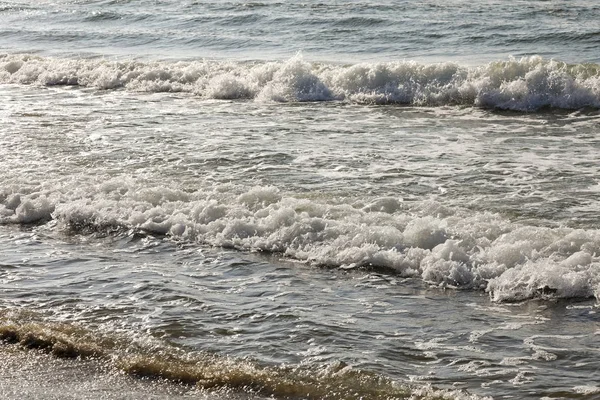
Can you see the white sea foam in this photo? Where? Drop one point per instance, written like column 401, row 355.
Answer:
column 525, row 84
column 587, row 390
column 453, row 249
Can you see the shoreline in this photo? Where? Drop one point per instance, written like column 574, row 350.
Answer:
column 34, row 374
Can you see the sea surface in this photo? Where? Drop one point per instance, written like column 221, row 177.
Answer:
column 300, row 200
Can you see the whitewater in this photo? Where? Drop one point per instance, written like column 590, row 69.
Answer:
column 250, row 200
column 527, row 84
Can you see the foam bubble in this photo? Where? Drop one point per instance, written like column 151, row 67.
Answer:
column 449, row 247
column 295, row 80
column 545, row 278
column 587, row 390
column 525, row 84
column 17, row 208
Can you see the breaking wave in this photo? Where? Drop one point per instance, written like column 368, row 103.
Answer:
column 445, row 247
column 526, row 84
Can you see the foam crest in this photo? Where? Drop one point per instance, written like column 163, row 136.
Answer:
column 447, row 248
column 525, row 84
column 296, row 80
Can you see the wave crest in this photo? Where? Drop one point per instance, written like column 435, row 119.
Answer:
column 447, row 248
column 526, row 84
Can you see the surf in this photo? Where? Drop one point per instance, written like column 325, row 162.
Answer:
column 527, row 84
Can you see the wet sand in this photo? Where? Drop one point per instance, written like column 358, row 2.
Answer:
column 32, row 374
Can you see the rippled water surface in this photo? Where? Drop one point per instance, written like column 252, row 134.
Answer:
column 189, row 208
column 350, row 30
column 274, row 311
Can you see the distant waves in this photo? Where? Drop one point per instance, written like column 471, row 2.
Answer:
column 526, row 84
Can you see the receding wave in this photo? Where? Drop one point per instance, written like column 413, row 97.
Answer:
column 526, row 84
column 158, row 360
column 445, row 247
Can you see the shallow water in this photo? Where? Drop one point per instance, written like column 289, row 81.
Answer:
column 269, row 311
column 190, row 208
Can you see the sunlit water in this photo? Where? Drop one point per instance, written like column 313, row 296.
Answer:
column 184, row 197
column 348, row 30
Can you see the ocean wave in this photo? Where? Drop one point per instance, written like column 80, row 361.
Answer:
column 526, row 84
column 445, row 247
column 147, row 357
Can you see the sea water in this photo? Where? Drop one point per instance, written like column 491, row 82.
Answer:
column 290, row 200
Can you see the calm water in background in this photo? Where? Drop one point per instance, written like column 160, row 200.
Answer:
column 184, row 196
column 347, row 31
